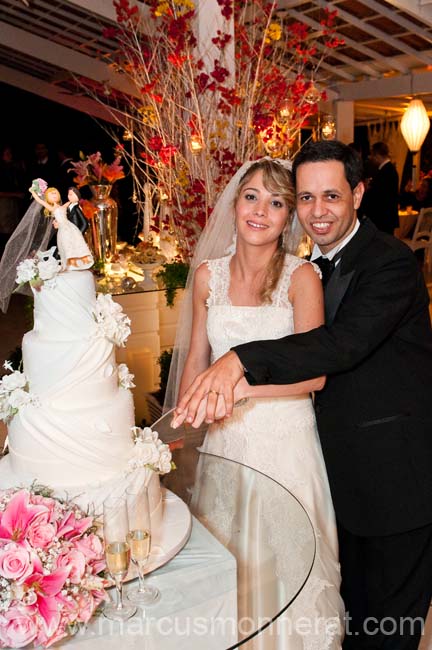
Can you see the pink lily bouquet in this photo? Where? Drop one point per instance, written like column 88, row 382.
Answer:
column 51, row 562
column 92, row 170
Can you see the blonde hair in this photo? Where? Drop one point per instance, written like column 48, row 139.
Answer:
column 47, row 213
column 278, row 179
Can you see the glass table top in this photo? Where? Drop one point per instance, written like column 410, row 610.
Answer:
column 257, row 520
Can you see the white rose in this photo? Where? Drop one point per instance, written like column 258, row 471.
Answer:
column 5, row 410
column 146, row 453
column 18, row 398
column 165, row 462
column 26, row 271
column 125, row 377
column 11, row 382
column 149, row 435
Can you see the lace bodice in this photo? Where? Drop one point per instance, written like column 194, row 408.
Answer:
column 229, row 325
column 60, row 214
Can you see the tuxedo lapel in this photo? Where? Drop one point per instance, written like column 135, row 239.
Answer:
column 335, row 291
column 344, row 271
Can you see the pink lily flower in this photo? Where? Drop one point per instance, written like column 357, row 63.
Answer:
column 48, row 588
column 71, row 527
column 18, row 515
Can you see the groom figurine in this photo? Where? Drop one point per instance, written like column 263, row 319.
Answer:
column 375, row 413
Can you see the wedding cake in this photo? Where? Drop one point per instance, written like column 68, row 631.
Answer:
column 71, row 412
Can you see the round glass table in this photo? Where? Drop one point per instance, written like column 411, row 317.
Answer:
column 249, row 555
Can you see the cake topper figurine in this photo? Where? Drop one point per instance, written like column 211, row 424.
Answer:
column 74, row 253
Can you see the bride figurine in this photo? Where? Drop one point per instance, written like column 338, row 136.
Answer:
column 74, row 253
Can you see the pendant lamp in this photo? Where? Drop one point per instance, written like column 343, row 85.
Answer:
column 415, row 124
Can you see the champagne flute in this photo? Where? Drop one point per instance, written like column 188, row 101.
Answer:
column 117, row 554
column 139, row 539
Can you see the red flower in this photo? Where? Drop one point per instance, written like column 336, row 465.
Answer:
column 177, row 60
column 155, row 143
column 167, row 154
column 219, row 73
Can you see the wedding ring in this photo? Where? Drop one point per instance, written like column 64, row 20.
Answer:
column 213, row 391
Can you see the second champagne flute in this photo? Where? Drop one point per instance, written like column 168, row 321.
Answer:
column 117, row 554
column 139, row 539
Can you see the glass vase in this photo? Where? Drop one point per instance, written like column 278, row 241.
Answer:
column 104, row 226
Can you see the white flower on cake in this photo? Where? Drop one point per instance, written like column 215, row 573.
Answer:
column 14, row 393
column 126, row 378
column 111, row 320
column 39, row 270
column 26, row 271
column 150, row 452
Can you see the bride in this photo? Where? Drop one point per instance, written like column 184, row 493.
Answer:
column 246, row 284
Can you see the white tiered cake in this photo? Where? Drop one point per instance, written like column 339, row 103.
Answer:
column 76, row 434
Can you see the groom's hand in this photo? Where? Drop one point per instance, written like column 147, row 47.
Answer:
column 218, row 380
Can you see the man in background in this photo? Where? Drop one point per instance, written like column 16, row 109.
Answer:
column 381, row 200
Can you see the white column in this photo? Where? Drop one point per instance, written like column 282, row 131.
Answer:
column 208, row 20
column 344, row 114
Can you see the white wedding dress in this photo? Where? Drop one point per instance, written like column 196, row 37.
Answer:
column 278, row 437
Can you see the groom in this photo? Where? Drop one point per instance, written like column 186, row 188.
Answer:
column 375, row 413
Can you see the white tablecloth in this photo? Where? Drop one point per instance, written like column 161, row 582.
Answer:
column 198, row 608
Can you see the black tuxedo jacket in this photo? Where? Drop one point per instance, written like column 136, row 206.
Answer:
column 76, row 216
column 375, row 413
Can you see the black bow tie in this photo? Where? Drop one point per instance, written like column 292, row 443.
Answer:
column 327, row 266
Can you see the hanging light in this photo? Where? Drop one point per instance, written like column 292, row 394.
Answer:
column 195, row 144
column 415, row 124
column 312, row 95
column 328, row 128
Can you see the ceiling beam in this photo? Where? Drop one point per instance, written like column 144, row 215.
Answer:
column 55, row 94
column 418, row 8
column 60, row 56
column 367, row 28
column 106, row 10
column 397, row 86
column 99, row 7
column 397, row 18
column 357, row 46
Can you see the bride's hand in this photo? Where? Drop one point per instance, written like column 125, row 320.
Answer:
column 220, row 413
column 219, row 379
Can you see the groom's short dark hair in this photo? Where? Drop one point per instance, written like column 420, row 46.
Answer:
column 326, row 150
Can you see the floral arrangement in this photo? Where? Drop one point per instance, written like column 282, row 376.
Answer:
column 126, row 378
column 147, row 253
column 14, row 393
column 200, row 109
column 92, row 170
column 39, row 270
column 150, row 452
column 112, row 322
column 50, row 565
column 39, row 186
